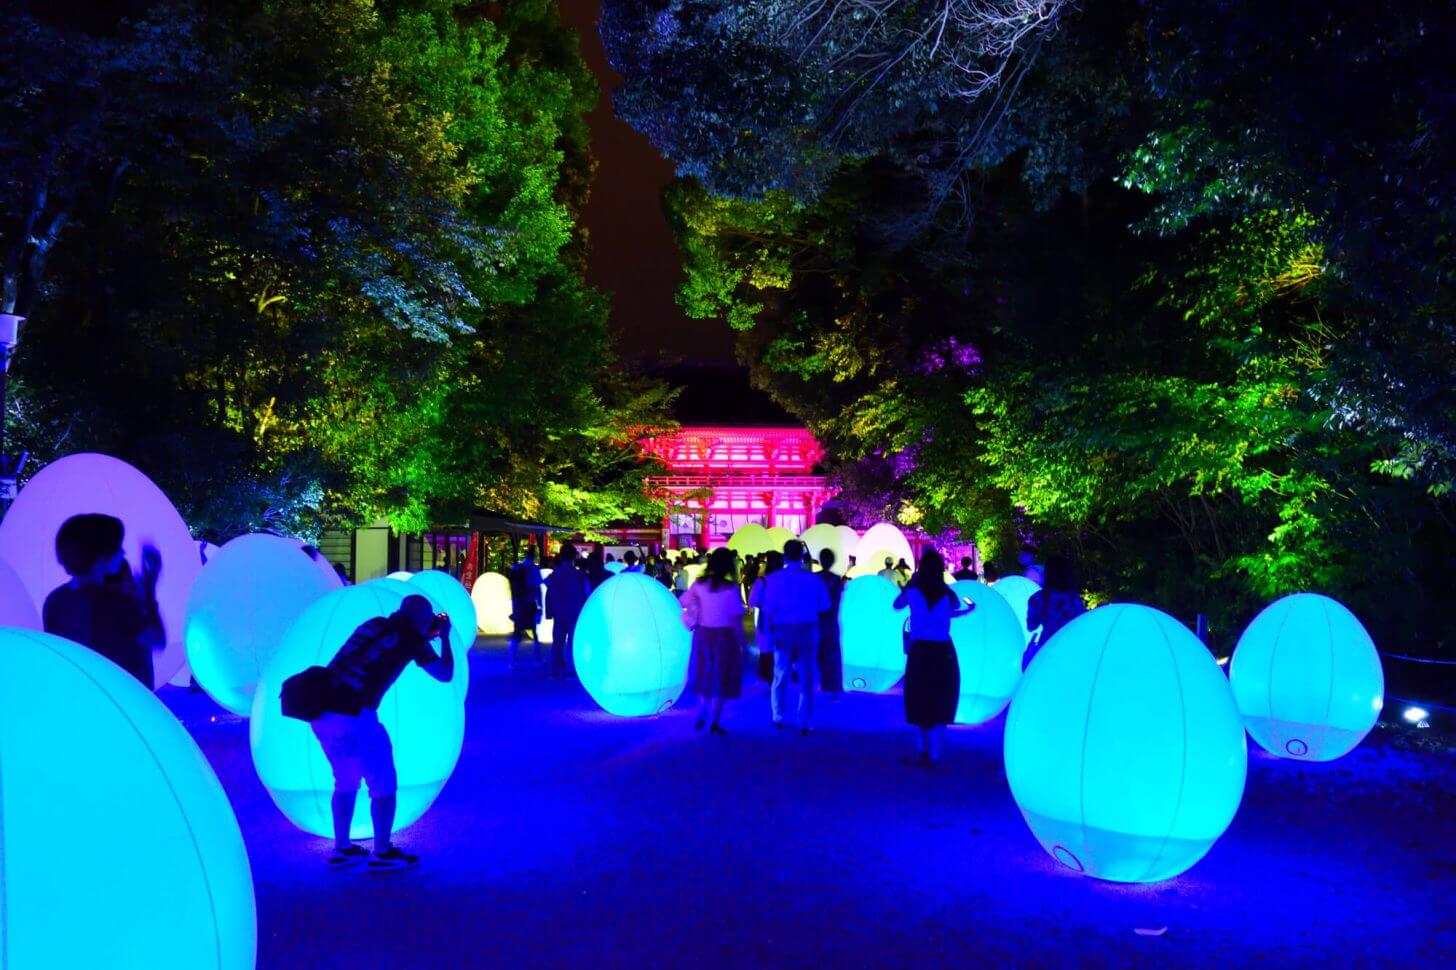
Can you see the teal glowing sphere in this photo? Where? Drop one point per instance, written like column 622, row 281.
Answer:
column 491, row 596
column 871, row 634
column 1124, row 749
column 1307, row 678
column 244, row 601
column 120, row 848
column 17, row 609
column 1017, row 592
column 425, row 720
column 989, row 647
column 631, row 646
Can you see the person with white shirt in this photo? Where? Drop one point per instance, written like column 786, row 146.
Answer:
column 792, row 602
column 713, row 609
column 932, row 673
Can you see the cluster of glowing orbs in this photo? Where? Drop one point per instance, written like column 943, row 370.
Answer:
column 989, row 647
column 887, row 540
column 1307, row 678
column 491, row 595
column 244, row 601
column 1124, row 749
column 425, row 719
column 17, row 609
column 631, row 647
column 871, row 634
column 1017, row 592
column 751, row 539
column 99, row 483
column 824, row 536
column 120, row 847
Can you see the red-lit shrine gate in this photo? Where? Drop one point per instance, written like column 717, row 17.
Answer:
column 722, row 478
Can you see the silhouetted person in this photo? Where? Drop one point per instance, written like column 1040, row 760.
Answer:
column 596, row 568
column 792, row 604
column 932, row 673
column 525, row 581
column 713, row 609
column 633, row 564
column 890, row 573
column 831, row 662
column 1053, row 606
column 990, row 572
column 566, row 591
column 356, row 744
column 771, row 563
column 966, row 571
column 103, row 606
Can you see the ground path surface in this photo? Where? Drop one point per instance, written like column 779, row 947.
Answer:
column 570, row 838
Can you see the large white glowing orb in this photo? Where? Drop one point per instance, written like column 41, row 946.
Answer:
column 1017, row 592
column 491, row 595
column 244, row 601
column 887, row 540
column 425, row 720
column 17, row 609
column 849, row 538
column 1307, row 678
column 1124, row 749
column 823, row 536
column 750, row 540
column 631, row 646
column 871, row 634
column 99, row 483
column 119, row 847
column 989, row 646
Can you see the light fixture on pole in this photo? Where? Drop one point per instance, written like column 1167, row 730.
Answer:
column 10, row 466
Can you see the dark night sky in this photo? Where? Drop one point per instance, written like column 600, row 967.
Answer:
column 633, row 254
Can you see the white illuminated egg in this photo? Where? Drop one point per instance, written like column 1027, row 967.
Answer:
column 89, row 482
column 989, row 646
column 425, row 720
column 823, row 536
column 1017, row 592
column 750, row 540
column 1307, row 678
column 871, row 634
column 119, row 847
column 631, row 646
column 491, row 595
column 244, row 601
column 1124, row 749
column 887, row 540
column 17, row 609
column 848, row 538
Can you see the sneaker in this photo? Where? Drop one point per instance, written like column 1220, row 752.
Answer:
column 347, row 856
column 391, row 858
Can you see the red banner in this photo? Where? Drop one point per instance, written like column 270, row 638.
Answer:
column 472, row 563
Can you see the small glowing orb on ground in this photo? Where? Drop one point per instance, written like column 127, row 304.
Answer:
column 631, row 646
column 1307, row 678
column 244, row 601
column 888, row 540
column 824, row 536
column 1124, row 749
column 120, row 847
column 750, row 540
column 491, row 595
column 99, row 483
column 1017, row 592
column 425, row 720
column 17, row 609
column 871, row 634
column 989, row 647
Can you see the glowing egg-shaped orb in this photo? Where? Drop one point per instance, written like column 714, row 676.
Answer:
column 1017, row 592
column 99, row 483
column 871, row 634
column 823, row 536
column 848, row 538
column 888, row 540
column 491, row 595
column 870, row 565
column 1307, row 678
column 17, row 609
column 989, row 647
column 615, row 567
column 110, row 811
column 1124, row 749
column 459, row 645
column 776, row 538
column 750, row 540
column 631, row 646
column 425, row 720
column 244, row 601
column 401, row 575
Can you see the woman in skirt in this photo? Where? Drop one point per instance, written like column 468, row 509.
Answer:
column 932, row 675
column 713, row 610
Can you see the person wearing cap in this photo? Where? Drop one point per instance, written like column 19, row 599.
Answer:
column 356, row 744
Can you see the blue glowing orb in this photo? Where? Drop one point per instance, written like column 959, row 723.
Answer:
column 120, row 848
column 244, row 601
column 1307, row 678
column 871, row 634
column 425, row 720
column 99, row 483
column 491, row 595
column 989, row 647
column 1124, row 749
column 17, row 609
column 1017, row 592
column 631, row 646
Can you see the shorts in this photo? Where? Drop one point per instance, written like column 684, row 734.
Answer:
column 358, row 748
